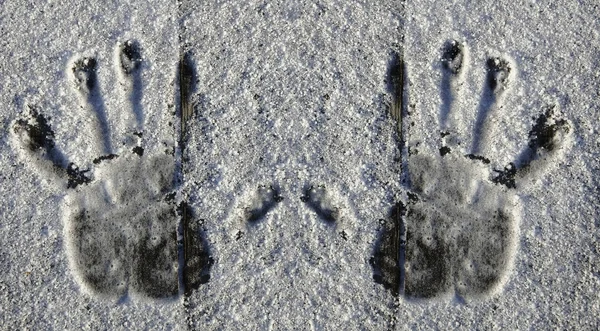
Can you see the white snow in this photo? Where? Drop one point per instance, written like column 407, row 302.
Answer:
column 292, row 102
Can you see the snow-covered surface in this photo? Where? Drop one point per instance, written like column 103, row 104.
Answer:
column 292, row 96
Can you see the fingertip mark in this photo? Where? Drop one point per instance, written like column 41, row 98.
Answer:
column 316, row 199
column 453, row 56
column 84, row 73
column 130, row 57
column 498, row 74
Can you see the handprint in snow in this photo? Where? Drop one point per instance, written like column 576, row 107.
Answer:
column 121, row 217
column 457, row 231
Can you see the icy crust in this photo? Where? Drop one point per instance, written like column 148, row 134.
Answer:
column 461, row 229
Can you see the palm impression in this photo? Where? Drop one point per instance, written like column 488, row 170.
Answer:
column 121, row 215
column 457, row 232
